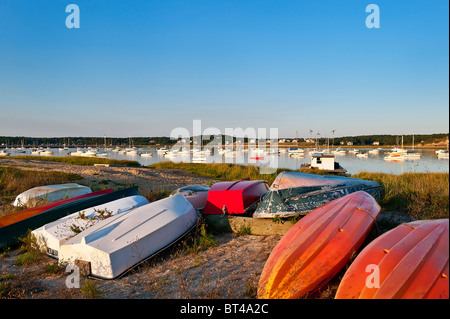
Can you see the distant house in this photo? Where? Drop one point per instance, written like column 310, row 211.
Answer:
column 376, row 143
column 342, row 143
column 309, row 140
column 281, row 140
column 349, row 143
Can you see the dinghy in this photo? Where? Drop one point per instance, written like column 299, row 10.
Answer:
column 50, row 236
column 317, row 247
column 298, row 193
column 10, row 234
column 236, row 198
column 26, row 213
column 195, row 194
column 113, row 246
column 50, row 193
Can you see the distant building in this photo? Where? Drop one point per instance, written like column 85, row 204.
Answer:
column 376, row 143
column 349, row 143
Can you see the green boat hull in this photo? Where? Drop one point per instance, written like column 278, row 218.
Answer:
column 301, row 200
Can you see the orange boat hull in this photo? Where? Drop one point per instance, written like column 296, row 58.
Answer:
column 316, row 248
column 26, row 213
column 407, row 262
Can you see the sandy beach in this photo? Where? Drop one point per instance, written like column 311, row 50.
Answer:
column 231, row 269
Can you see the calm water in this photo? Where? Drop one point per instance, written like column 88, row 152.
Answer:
column 374, row 163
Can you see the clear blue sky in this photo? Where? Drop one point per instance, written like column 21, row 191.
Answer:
column 144, row 67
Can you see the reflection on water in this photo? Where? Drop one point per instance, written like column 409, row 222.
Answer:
column 353, row 164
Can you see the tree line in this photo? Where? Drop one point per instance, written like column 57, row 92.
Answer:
column 17, row 141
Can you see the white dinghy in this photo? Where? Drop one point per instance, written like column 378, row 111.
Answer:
column 50, row 193
column 113, row 246
column 52, row 235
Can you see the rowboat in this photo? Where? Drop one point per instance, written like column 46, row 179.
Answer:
column 407, row 262
column 9, row 234
column 238, row 197
column 113, row 246
column 50, row 236
column 26, row 213
column 195, row 194
column 50, row 193
column 317, row 247
column 298, row 193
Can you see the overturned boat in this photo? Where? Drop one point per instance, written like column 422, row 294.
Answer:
column 50, row 193
column 235, row 198
column 114, row 245
column 10, row 233
column 50, row 236
column 195, row 194
column 298, row 193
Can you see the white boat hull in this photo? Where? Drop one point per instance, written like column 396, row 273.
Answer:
column 118, row 243
column 50, row 193
column 51, row 236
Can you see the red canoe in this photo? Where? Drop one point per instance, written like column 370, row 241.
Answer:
column 26, row 213
column 317, row 247
column 234, row 197
column 407, row 262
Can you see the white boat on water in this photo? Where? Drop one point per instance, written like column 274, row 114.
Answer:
column 51, row 236
column 148, row 154
column 46, row 152
column 339, row 151
column 394, row 157
column 443, row 154
column 50, row 193
column 162, row 150
column 114, row 245
column 4, row 153
column 362, row 155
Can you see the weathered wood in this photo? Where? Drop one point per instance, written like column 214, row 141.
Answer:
column 237, row 224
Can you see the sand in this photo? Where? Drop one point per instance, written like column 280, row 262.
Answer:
column 231, row 269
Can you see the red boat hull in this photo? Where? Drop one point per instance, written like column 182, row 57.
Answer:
column 407, row 262
column 234, row 197
column 316, row 248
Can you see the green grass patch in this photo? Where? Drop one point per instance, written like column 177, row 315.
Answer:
column 421, row 195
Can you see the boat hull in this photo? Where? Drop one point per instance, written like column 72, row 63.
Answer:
column 296, row 193
column 52, row 235
column 410, row 261
column 197, row 195
column 115, row 245
column 26, row 213
column 234, row 198
column 10, row 234
column 317, row 247
column 50, row 193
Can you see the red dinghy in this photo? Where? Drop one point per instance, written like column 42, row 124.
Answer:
column 234, row 198
column 26, row 213
column 316, row 248
column 407, row 262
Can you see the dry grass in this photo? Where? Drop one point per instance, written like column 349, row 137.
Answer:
column 14, row 181
column 420, row 195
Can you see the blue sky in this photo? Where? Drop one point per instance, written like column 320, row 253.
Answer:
column 143, row 67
